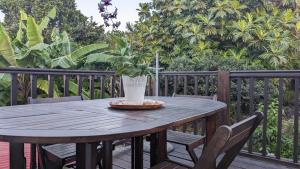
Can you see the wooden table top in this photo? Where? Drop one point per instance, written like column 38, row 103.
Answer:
column 92, row 120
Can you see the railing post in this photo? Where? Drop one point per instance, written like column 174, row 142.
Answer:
column 102, row 86
column 113, row 85
column 92, row 87
column 66, row 85
column 50, row 86
column 223, row 96
column 14, row 89
column 33, row 83
column 79, row 83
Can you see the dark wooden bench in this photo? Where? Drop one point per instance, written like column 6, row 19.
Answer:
column 190, row 141
column 225, row 145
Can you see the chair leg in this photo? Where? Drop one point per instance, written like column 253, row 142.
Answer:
column 192, row 154
column 41, row 160
column 100, row 156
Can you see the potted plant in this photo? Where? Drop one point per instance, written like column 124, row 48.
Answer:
column 133, row 68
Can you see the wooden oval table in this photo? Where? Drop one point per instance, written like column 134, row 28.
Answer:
column 86, row 123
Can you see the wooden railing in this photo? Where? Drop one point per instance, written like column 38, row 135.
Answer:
column 249, row 91
column 258, row 87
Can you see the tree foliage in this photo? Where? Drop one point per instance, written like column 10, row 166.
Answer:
column 81, row 28
column 251, row 32
column 29, row 49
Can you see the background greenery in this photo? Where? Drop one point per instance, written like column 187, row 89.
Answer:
column 188, row 35
column 220, row 34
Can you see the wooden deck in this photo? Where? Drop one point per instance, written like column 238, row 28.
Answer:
column 4, row 155
column 122, row 159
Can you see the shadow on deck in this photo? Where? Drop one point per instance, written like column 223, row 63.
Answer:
column 122, row 160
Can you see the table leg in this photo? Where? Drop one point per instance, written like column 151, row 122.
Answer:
column 158, row 148
column 32, row 156
column 137, row 145
column 211, row 126
column 107, row 157
column 16, row 156
column 86, row 155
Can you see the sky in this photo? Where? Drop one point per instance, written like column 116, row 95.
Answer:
column 127, row 10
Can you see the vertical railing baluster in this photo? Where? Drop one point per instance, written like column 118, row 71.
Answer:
column 14, row 89
column 279, row 120
column 195, row 127
column 79, row 84
column 184, row 127
column 102, row 86
column 251, row 93
column 196, row 85
column 33, row 85
column 50, row 86
column 265, row 121
column 66, row 85
column 166, row 85
column 175, row 85
column 33, row 91
column 206, row 85
column 239, row 99
column 92, row 87
column 185, row 85
column 150, row 89
column 113, row 82
column 121, row 87
column 296, row 122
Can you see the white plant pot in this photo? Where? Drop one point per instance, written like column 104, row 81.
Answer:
column 134, row 89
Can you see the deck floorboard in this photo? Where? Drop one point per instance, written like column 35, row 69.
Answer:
column 122, row 158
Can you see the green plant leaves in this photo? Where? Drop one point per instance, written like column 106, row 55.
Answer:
column 98, row 58
column 44, row 86
column 64, row 62
column 34, row 34
column 6, row 49
column 45, row 21
column 82, row 51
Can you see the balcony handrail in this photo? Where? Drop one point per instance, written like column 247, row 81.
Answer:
column 37, row 71
column 266, row 73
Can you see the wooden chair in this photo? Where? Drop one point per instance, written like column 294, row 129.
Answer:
column 224, row 146
column 55, row 156
column 190, row 141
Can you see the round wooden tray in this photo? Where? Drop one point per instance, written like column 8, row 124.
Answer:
column 147, row 105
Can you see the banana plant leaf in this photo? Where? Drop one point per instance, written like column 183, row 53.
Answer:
column 62, row 62
column 43, row 85
column 6, row 49
column 5, row 80
column 73, row 88
column 98, row 58
column 79, row 53
column 25, row 51
column 20, row 33
column 34, row 34
column 23, row 15
column 45, row 21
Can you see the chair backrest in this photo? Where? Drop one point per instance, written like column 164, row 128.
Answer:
column 228, row 140
column 214, row 97
column 54, row 100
